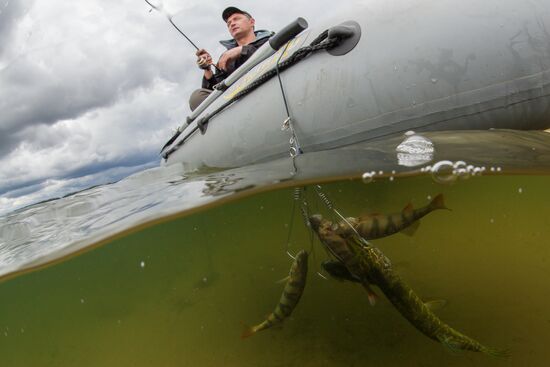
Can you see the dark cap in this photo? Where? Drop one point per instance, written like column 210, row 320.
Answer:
column 233, row 10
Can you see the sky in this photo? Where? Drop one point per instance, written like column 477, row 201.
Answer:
column 91, row 90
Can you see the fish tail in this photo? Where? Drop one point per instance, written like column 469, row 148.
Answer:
column 247, row 331
column 494, row 352
column 456, row 346
column 438, row 203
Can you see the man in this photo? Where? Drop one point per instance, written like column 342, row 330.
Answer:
column 244, row 43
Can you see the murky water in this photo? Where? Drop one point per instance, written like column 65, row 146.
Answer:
column 176, row 292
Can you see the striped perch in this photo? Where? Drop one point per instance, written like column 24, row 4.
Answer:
column 337, row 245
column 292, row 292
column 374, row 226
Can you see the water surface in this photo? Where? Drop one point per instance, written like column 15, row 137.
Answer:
column 185, row 258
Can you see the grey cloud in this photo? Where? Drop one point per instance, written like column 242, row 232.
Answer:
column 149, row 158
column 10, row 13
column 65, row 80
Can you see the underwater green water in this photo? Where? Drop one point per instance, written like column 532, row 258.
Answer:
column 176, row 294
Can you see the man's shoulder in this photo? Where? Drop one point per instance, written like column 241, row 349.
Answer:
column 261, row 36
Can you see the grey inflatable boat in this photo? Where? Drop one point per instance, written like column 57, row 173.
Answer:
column 387, row 68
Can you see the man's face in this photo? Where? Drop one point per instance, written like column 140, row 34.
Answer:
column 240, row 25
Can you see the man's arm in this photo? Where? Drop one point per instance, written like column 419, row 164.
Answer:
column 204, row 62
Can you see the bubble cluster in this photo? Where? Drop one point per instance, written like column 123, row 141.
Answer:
column 447, row 172
column 369, row 177
column 415, row 150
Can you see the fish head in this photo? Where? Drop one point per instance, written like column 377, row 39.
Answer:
column 315, row 221
column 337, row 270
column 301, row 257
column 300, row 264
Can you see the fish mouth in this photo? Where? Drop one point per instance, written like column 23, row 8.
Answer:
column 315, row 221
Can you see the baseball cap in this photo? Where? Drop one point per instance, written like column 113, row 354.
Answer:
column 229, row 11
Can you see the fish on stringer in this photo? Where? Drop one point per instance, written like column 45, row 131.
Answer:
column 373, row 226
column 293, row 290
column 378, row 270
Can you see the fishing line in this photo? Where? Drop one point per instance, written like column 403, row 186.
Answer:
column 329, row 205
column 296, row 195
column 160, row 8
column 305, row 216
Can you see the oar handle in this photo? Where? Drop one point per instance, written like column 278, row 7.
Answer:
column 288, row 33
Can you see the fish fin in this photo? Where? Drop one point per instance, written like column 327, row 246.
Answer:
column 247, row 331
column 408, row 208
column 438, row 203
column 498, row 353
column 372, row 298
column 284, row 280
column 450, row 344
column 370, row 293
column 411, row 230
column 435, row 304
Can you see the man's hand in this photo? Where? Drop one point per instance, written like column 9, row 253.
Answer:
column 229, row 56
column 204, row 59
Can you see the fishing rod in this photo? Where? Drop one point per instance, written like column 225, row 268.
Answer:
column 169, row 16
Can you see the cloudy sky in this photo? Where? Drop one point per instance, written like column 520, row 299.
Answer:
column 90, row 90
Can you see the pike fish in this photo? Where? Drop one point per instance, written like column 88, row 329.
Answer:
column 409, row 304
column 338, row 271
column 340, row 249
column 377, row 268
column 292, row 292
column 373, row 226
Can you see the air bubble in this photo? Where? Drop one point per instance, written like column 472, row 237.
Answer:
column 459, row 164
column 462, row 173
column 415, row 150
column 443, row 172
column 367, row 177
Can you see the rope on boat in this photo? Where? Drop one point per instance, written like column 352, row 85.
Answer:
column 319, row 43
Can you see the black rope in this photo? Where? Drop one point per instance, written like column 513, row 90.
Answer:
column 319, row 43
column 281, row 82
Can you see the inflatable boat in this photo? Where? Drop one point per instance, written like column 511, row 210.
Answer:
column 386, row 68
